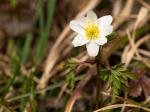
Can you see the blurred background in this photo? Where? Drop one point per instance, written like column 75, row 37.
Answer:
column 35, row 49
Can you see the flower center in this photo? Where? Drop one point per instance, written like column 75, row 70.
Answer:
column 92, row 31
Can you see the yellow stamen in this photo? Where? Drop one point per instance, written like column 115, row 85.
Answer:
column 92, row 31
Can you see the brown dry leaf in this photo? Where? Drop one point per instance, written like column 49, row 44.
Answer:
column 145, row 84
column 142, row 84
column 135, row 89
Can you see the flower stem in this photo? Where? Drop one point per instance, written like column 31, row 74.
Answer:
column 97, row 88
column 98, row 82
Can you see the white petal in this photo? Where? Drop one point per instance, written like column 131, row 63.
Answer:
column 92, row 17
column 82, row 20
column 74, row 25
column 101, row 40
column 105, row 30
column 92, row 48
column 107, row 20
column 79, row 41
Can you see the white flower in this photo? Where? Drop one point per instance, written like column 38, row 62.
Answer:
column 91, row 31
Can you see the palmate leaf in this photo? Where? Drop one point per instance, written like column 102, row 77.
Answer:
column 117, row 78
column 70, row 76
column 104, row 74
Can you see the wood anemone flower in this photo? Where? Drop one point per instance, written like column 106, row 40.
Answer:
column 91, row 31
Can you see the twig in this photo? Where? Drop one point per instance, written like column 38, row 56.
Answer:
column 125, row 101
column 144, row 52
column 120, row 105
column 126, row 11
column 127, row 57
column 119, row 98
column 63, row 88
column 144, row 4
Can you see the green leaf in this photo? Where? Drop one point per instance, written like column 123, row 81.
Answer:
column 124, row 82
column 117, row 79
column 118, row 66
column 111, row 36
column 16, row 71
column 115, row 74
column 70, row 79
column 116, row 83
column 104, row 74
column 130, row 75
column 26, row 48
column 44, row 28
column 13, row 3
